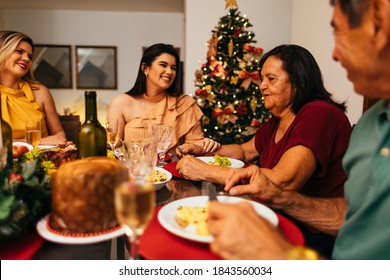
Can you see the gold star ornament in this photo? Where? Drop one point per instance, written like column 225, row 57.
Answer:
column 231, row 4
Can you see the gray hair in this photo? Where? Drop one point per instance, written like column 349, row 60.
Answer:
column 353, row 9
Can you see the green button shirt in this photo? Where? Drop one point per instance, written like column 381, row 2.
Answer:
column 366, row 231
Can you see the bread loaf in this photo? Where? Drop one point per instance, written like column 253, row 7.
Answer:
column 83, row 195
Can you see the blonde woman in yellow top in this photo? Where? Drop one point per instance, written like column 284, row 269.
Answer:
column 22, row 98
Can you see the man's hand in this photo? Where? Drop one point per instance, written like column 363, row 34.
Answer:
column 253, row 182
column 240, row 233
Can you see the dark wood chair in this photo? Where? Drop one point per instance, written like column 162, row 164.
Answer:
column 70, row 124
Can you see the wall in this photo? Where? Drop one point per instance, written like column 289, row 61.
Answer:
column 311, row 29
column 128, row 31
column 303, row 22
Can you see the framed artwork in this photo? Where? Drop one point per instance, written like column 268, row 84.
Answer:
column 96, row 67
column 52, row 65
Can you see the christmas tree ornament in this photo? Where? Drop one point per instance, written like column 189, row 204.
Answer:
column 230, row 48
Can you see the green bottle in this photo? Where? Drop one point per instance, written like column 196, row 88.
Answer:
column 91, row 137
column 6, row 134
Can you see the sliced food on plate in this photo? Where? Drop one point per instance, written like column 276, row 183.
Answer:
column 222, row 161
column 187, row 217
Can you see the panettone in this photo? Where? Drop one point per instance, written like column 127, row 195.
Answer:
column 83, row 195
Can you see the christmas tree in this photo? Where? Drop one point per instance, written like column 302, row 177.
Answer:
column 228, row 83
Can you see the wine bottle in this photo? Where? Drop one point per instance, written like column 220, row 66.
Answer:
column 91, row 136
column 6, row 137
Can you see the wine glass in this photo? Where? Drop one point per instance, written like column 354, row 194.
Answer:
column 140, row 156
column 111, row 126
column 33, row 132
column 163, row 134
column 134, row 205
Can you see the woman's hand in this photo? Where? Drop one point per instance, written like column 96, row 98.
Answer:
column 198, row 148
column 192, row 168
column 189, row 149
column 56, row 140
column 209, row 145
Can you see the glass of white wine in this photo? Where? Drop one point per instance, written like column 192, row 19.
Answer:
column 112, row 130
column 163, row 134
column 33, row 132
column 134, row 206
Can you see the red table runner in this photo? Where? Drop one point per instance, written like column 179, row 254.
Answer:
column 21, row 249
column 158, row 244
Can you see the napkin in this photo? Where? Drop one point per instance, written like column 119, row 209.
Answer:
column 171, row 167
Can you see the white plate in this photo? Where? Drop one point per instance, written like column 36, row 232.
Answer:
column 57, row 238
column 167, row 214
column 160, row 185
column 235, row 163
column 46, row 147
column 18, row 144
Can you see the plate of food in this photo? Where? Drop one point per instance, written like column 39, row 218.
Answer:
column 46, row 147
column 22, row 144
column 187, row 217
column 159, row 177
column 222, row 161
column 46, row 232
column 19, row 148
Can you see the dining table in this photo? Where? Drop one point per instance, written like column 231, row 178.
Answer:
column 156, row 243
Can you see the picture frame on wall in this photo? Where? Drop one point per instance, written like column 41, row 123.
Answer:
column 96, row 67
column 52, row 65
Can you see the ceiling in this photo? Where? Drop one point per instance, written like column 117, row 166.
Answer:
column 167, row 6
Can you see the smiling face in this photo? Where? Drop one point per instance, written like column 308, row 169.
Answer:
column 161, row 73
column 20, row 61
column 275, row 87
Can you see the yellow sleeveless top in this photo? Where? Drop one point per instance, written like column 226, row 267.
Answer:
column 18, row 106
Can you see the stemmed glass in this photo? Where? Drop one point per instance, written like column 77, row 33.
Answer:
column 140, row 156
column 163, row 134
column 134, row 205
column 111, row 126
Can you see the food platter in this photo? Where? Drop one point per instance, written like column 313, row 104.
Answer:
column 166, row 215
column 43, row 229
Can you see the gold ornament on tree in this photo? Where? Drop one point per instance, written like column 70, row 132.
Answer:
column 230, row 47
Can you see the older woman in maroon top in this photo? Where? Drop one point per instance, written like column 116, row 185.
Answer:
column 301, row 147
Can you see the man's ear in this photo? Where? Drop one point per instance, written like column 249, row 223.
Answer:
column 381, row 18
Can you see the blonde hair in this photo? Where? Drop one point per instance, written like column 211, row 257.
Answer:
column 9, row 40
